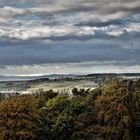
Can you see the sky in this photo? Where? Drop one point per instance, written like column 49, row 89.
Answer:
column 41, row 37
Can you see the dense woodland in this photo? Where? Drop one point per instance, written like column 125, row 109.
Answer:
column 110, row 112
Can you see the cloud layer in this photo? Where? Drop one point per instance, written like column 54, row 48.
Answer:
column 32, row 19
column 44, row 32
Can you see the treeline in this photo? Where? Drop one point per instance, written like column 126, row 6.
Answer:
column 110, row 112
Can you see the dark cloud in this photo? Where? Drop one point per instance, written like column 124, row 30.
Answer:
column 64, row 52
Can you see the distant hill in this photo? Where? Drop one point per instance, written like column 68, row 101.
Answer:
column 57, row 76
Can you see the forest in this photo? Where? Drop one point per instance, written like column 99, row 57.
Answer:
column 109, row 112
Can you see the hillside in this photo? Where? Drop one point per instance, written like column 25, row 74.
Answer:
column 110, row 112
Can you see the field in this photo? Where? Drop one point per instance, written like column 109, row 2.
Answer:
column 28, row 87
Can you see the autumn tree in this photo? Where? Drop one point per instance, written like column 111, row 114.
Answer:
column 18, row 118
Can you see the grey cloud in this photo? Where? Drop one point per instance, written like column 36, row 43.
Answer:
column 64, row 52
column 9, row 12
column 118, row 22
column 98, row 7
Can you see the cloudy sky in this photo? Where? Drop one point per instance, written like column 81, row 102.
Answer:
column 69, row 36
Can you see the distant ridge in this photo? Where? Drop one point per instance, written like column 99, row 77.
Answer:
column 55, row 76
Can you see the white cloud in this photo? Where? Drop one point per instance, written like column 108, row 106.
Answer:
column 44, row 32
column 70, row 68
column 31, row 31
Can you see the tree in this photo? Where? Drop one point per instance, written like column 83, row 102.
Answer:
column 18, row 118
